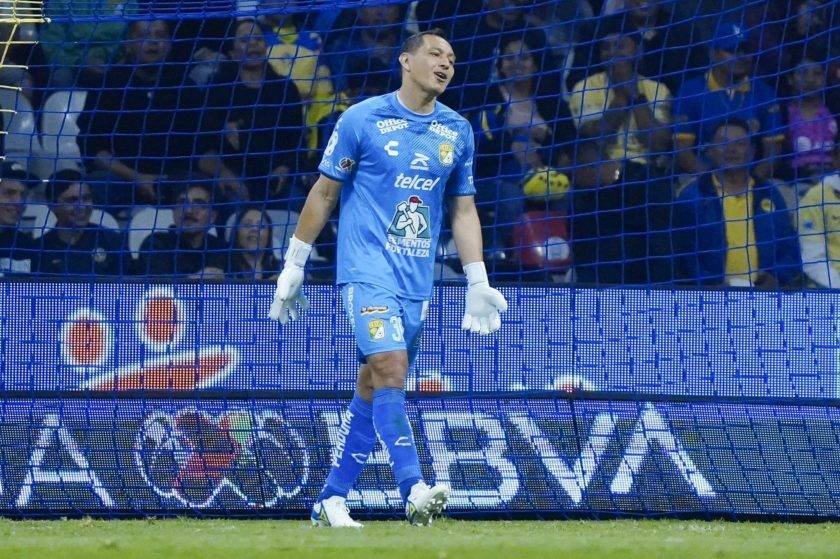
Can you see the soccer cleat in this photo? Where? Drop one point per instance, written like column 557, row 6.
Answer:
column 333, row 513
column 424, row 503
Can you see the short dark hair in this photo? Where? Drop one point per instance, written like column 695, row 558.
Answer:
column 416, row 41
column 60, row 181
column 732, row 121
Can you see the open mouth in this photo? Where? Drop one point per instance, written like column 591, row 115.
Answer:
column 441, row 76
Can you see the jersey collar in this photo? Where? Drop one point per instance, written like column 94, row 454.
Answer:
column 396, row 102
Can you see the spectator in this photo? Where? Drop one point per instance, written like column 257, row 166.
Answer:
column 563, row 26
column 566, row 22
column 668, row 49
column 252, row 253
column 16, row 245
column 75, row 246
column 569, row 26
column 371, row 34
column 198, row 43
column 520, row 130
column 139, row 123
column 819, row 232
column 731, row 229
column 726, row 92
column 187, row 248
column 76, row 48
column 360, row 86
column 23, row 64
column 499, row 23
column 626, row 110
column 812, row 129
column 620, row 219
column 457, row 19
column 295, row 53
column 252, row 125
column 811, row 32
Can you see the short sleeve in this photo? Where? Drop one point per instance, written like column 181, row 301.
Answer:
column 586, row 105
column 461, row 180
column 341, row 156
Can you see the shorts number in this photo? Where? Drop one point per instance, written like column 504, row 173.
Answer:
column 396, row 323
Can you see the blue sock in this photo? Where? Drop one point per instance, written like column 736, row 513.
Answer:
column 392, row 425
column 356, row 440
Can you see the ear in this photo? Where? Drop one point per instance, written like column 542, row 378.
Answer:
column 404, row 61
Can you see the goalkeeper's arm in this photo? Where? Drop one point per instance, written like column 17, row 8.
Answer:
column 316, row 211
column 484, row 303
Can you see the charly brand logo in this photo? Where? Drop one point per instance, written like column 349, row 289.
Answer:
column 160, row 323
column 195, row 458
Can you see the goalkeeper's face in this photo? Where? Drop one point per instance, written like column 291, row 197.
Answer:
column 431, row 66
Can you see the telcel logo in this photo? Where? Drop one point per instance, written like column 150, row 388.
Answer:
column 415, row 182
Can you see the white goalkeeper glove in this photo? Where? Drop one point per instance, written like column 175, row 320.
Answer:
column 289, row 301
column 484, row 303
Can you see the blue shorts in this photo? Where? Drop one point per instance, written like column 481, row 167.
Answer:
column 382, row 321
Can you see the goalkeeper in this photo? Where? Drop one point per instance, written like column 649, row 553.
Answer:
column 391, row 159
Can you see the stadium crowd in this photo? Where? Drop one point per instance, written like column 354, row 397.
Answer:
column 617, row 141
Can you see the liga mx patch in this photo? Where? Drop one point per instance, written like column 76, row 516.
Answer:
column 376, row 329
column 345, row 164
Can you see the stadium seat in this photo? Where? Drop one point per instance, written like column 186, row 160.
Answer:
column 542, row 241
column 144, row 223
column 34, row 219
column 59, row 128
column 38, row 219
column 21, row 142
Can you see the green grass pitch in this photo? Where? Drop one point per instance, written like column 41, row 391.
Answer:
column 447, row 539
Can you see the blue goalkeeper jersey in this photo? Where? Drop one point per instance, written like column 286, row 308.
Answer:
column 396, row 167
